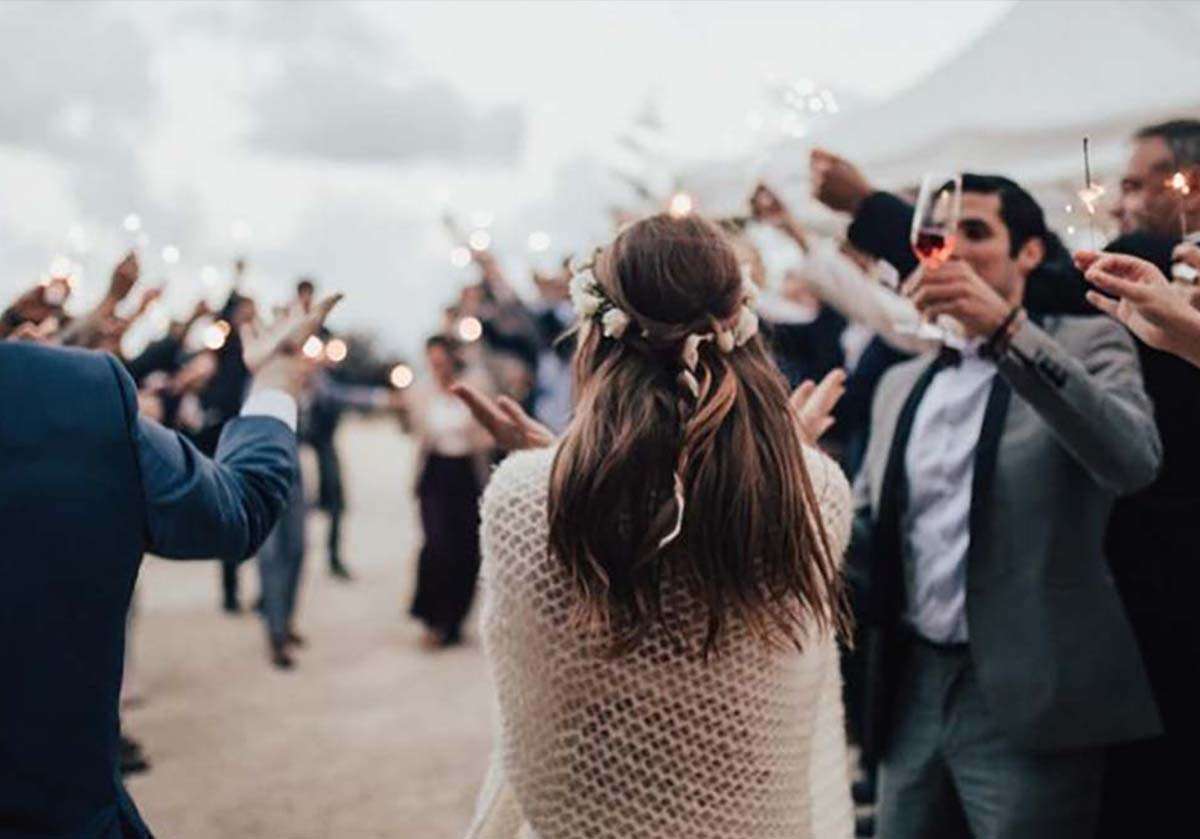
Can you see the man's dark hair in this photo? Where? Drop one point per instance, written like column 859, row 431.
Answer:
column 306, row 286
column 1182, row 137
column 451, row 347
column 1022, row 215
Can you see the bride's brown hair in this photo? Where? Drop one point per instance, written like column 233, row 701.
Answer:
column 752, row 549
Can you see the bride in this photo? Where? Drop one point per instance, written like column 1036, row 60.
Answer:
column 662, row 583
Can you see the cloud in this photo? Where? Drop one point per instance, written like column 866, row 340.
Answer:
column 72, row 73
column 346, row 113
column 78, row 88
column 356, row 241
column 341, row 90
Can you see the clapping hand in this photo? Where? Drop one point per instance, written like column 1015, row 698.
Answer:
column 504, row 419
column 1164, row 315
column 814, row 404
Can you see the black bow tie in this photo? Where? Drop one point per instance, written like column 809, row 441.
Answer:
column 948, row 357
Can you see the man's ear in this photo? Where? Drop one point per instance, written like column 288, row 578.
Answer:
column 1030, row 255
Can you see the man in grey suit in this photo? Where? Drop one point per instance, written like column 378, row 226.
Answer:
column 1001, row 659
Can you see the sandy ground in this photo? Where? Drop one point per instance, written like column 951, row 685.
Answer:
column 368, row 737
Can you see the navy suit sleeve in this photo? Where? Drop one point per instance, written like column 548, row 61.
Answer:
column 198, row 508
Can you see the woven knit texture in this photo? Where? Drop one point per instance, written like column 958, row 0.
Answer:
column 658, row 744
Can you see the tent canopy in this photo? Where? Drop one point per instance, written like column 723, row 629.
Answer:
column 1020, row 98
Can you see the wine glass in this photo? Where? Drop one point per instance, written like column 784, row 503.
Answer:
column 934, row 233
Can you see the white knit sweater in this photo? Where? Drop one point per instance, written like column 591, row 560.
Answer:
column 658, row 744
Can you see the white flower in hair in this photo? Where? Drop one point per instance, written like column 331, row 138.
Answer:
column 585, row 296
column 725, row 340
column 747, row 271
column 746, row 327
column 750, row 289
column 615, row 322
column 691, row 351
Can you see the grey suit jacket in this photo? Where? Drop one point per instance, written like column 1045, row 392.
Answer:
column 1053, row 650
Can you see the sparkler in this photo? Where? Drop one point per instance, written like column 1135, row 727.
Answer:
column 1181, row 270
column 1179, row 183
column 681, row 205
column 401, row 376
column 336, row 350
column 1090, row 194
column 313, row 348
column 470, row 329
column 539, row 241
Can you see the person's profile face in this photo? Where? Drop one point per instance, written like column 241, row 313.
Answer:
column 1146, row 202
column 984, row 242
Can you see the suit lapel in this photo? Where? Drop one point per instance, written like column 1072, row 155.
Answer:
column 994, row 420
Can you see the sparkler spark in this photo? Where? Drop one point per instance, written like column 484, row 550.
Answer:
column 681, row 205
column 1090, row 196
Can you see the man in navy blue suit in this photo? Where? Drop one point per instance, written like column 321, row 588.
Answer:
column 86, row 487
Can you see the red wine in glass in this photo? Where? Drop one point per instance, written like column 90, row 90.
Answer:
column 932, row 246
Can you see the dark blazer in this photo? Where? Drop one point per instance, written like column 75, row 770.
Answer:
column 86, row 487
column 1067, row 429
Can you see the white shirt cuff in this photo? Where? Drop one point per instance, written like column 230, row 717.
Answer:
column 272, row 402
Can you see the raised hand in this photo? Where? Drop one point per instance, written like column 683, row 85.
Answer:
column 504, row 419
column 1164, row 315
column 32, row 306
column 767, row 207
column 38, row 333
column 837, row 183
column 1186, row 259
column 957, row 291
column 124, row 278
column 286, row 335
column 274, row 356
column 814, row 404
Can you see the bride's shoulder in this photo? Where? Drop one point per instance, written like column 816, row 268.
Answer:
column 521, row 478
column 832, row 492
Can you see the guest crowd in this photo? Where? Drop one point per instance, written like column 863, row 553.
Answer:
column 1026, row 499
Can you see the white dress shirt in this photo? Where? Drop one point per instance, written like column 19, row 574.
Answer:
column 940, row 467
column 272, row 402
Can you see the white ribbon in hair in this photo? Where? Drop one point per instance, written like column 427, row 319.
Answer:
column 679, row 504
column 727, row 340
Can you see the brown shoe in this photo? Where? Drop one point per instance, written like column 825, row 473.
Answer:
column 294, row 639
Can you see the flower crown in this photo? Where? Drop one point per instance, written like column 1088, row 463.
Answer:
column 592, row 303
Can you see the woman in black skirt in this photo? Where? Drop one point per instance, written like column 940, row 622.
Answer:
column 454, row 451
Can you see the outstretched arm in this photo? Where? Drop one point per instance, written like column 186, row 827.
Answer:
column 224, row 507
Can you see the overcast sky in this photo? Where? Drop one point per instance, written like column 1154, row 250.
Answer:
column 330, row 138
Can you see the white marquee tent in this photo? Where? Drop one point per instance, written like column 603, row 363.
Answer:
column 1017, row 101
column 1020, row 99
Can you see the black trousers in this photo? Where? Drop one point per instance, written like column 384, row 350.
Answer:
column 449, row 562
